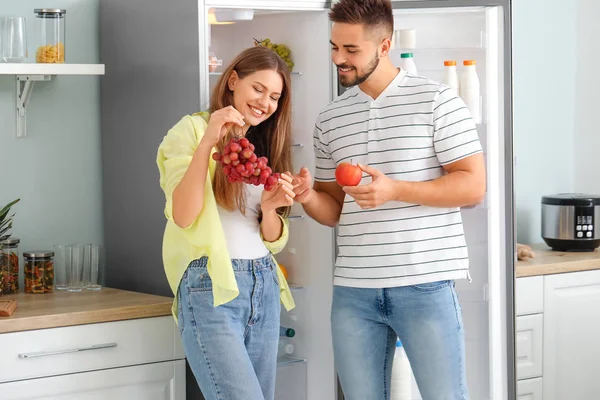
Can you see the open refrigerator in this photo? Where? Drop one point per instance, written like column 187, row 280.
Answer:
column 445, row 30
column 166, row 65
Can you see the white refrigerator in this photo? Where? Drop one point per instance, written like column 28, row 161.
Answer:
column 152, row 71
column 444, row 30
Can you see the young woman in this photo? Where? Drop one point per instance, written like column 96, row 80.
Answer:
column 220, row 237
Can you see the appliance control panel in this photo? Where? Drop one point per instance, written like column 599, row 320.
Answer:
column 584, row 222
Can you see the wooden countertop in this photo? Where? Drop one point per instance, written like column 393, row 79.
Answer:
column 548, row 261
column 52, row 310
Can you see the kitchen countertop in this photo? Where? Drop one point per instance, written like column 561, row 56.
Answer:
column 61, row 308
column 548, row 261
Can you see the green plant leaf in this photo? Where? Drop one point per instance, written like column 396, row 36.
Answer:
column 6, row 221
column 6, row 209
column 4, row 230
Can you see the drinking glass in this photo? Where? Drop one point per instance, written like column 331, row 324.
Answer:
column 80, row 261
column 96, row 272
column 1, row 37
column 63, row 255
column 14, row 40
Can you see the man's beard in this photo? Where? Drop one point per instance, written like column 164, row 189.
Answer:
column 348, row 81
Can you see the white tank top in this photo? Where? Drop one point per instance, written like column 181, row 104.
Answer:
column 242, row 233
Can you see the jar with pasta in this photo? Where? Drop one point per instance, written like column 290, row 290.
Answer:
column 39, row 271
column 50, row 26
column 9, row 266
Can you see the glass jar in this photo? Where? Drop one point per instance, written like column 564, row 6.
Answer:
column 9, row 266
column 50, row 26
column 39, row 271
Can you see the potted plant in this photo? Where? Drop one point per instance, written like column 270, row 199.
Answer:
column 6, row 223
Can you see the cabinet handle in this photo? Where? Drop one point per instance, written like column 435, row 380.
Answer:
column 54, row 353
column 295, row 216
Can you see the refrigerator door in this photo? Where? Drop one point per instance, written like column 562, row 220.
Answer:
column 307, row 373
column 477, row 30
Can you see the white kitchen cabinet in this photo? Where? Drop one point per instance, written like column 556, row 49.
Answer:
column 160, row 381
column 529, row 346
column 530, row 389
column 557, row 330
column 571, row 332
column 530, row 295
column 134, row 359
column 71, row 349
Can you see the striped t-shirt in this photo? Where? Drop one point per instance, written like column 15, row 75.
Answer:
column 413, row 128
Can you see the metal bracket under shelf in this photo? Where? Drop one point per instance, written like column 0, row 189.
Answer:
column 24, row 88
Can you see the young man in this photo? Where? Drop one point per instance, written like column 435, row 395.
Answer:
column 400, row 236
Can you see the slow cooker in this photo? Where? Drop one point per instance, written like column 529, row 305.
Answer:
column 571, row 221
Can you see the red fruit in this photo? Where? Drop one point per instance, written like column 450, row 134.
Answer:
column 227, row 159
column 234, row 156
column 240, row 168
column 235, row 147
column 216, row 156
column 247, row 153
column 227, row 169
column 260, row 164
column 268, row 187
column 231, row 179
column 272, row 181
column 235, row 163
column 251, row 147
column 249, row 166
column 257, row 172
column 264, row 174
column 244, row 142
column 347, row 174
column 226, row 150
column 269, row 170
column 252, row 158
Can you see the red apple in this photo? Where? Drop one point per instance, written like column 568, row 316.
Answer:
column 347, row 174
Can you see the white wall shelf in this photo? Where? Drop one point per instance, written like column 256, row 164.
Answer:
column 51, row 69
column 29, row 73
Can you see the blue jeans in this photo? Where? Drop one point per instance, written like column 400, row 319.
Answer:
column 427, row 319
column 232, row 349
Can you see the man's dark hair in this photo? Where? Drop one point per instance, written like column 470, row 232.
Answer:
column 375, row 15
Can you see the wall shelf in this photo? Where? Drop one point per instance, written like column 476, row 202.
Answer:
column 50, row 69
column 28, row 73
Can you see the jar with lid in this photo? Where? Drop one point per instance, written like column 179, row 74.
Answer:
column 9, row 266
column 39, row 271
column 50, row 27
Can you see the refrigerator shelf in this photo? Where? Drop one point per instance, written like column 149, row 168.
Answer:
column 285, row 361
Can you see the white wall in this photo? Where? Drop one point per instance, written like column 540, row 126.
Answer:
column 56, row 169
column 587, row 114
column 544, row 68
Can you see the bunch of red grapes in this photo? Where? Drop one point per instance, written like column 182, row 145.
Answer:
column 240, row 164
